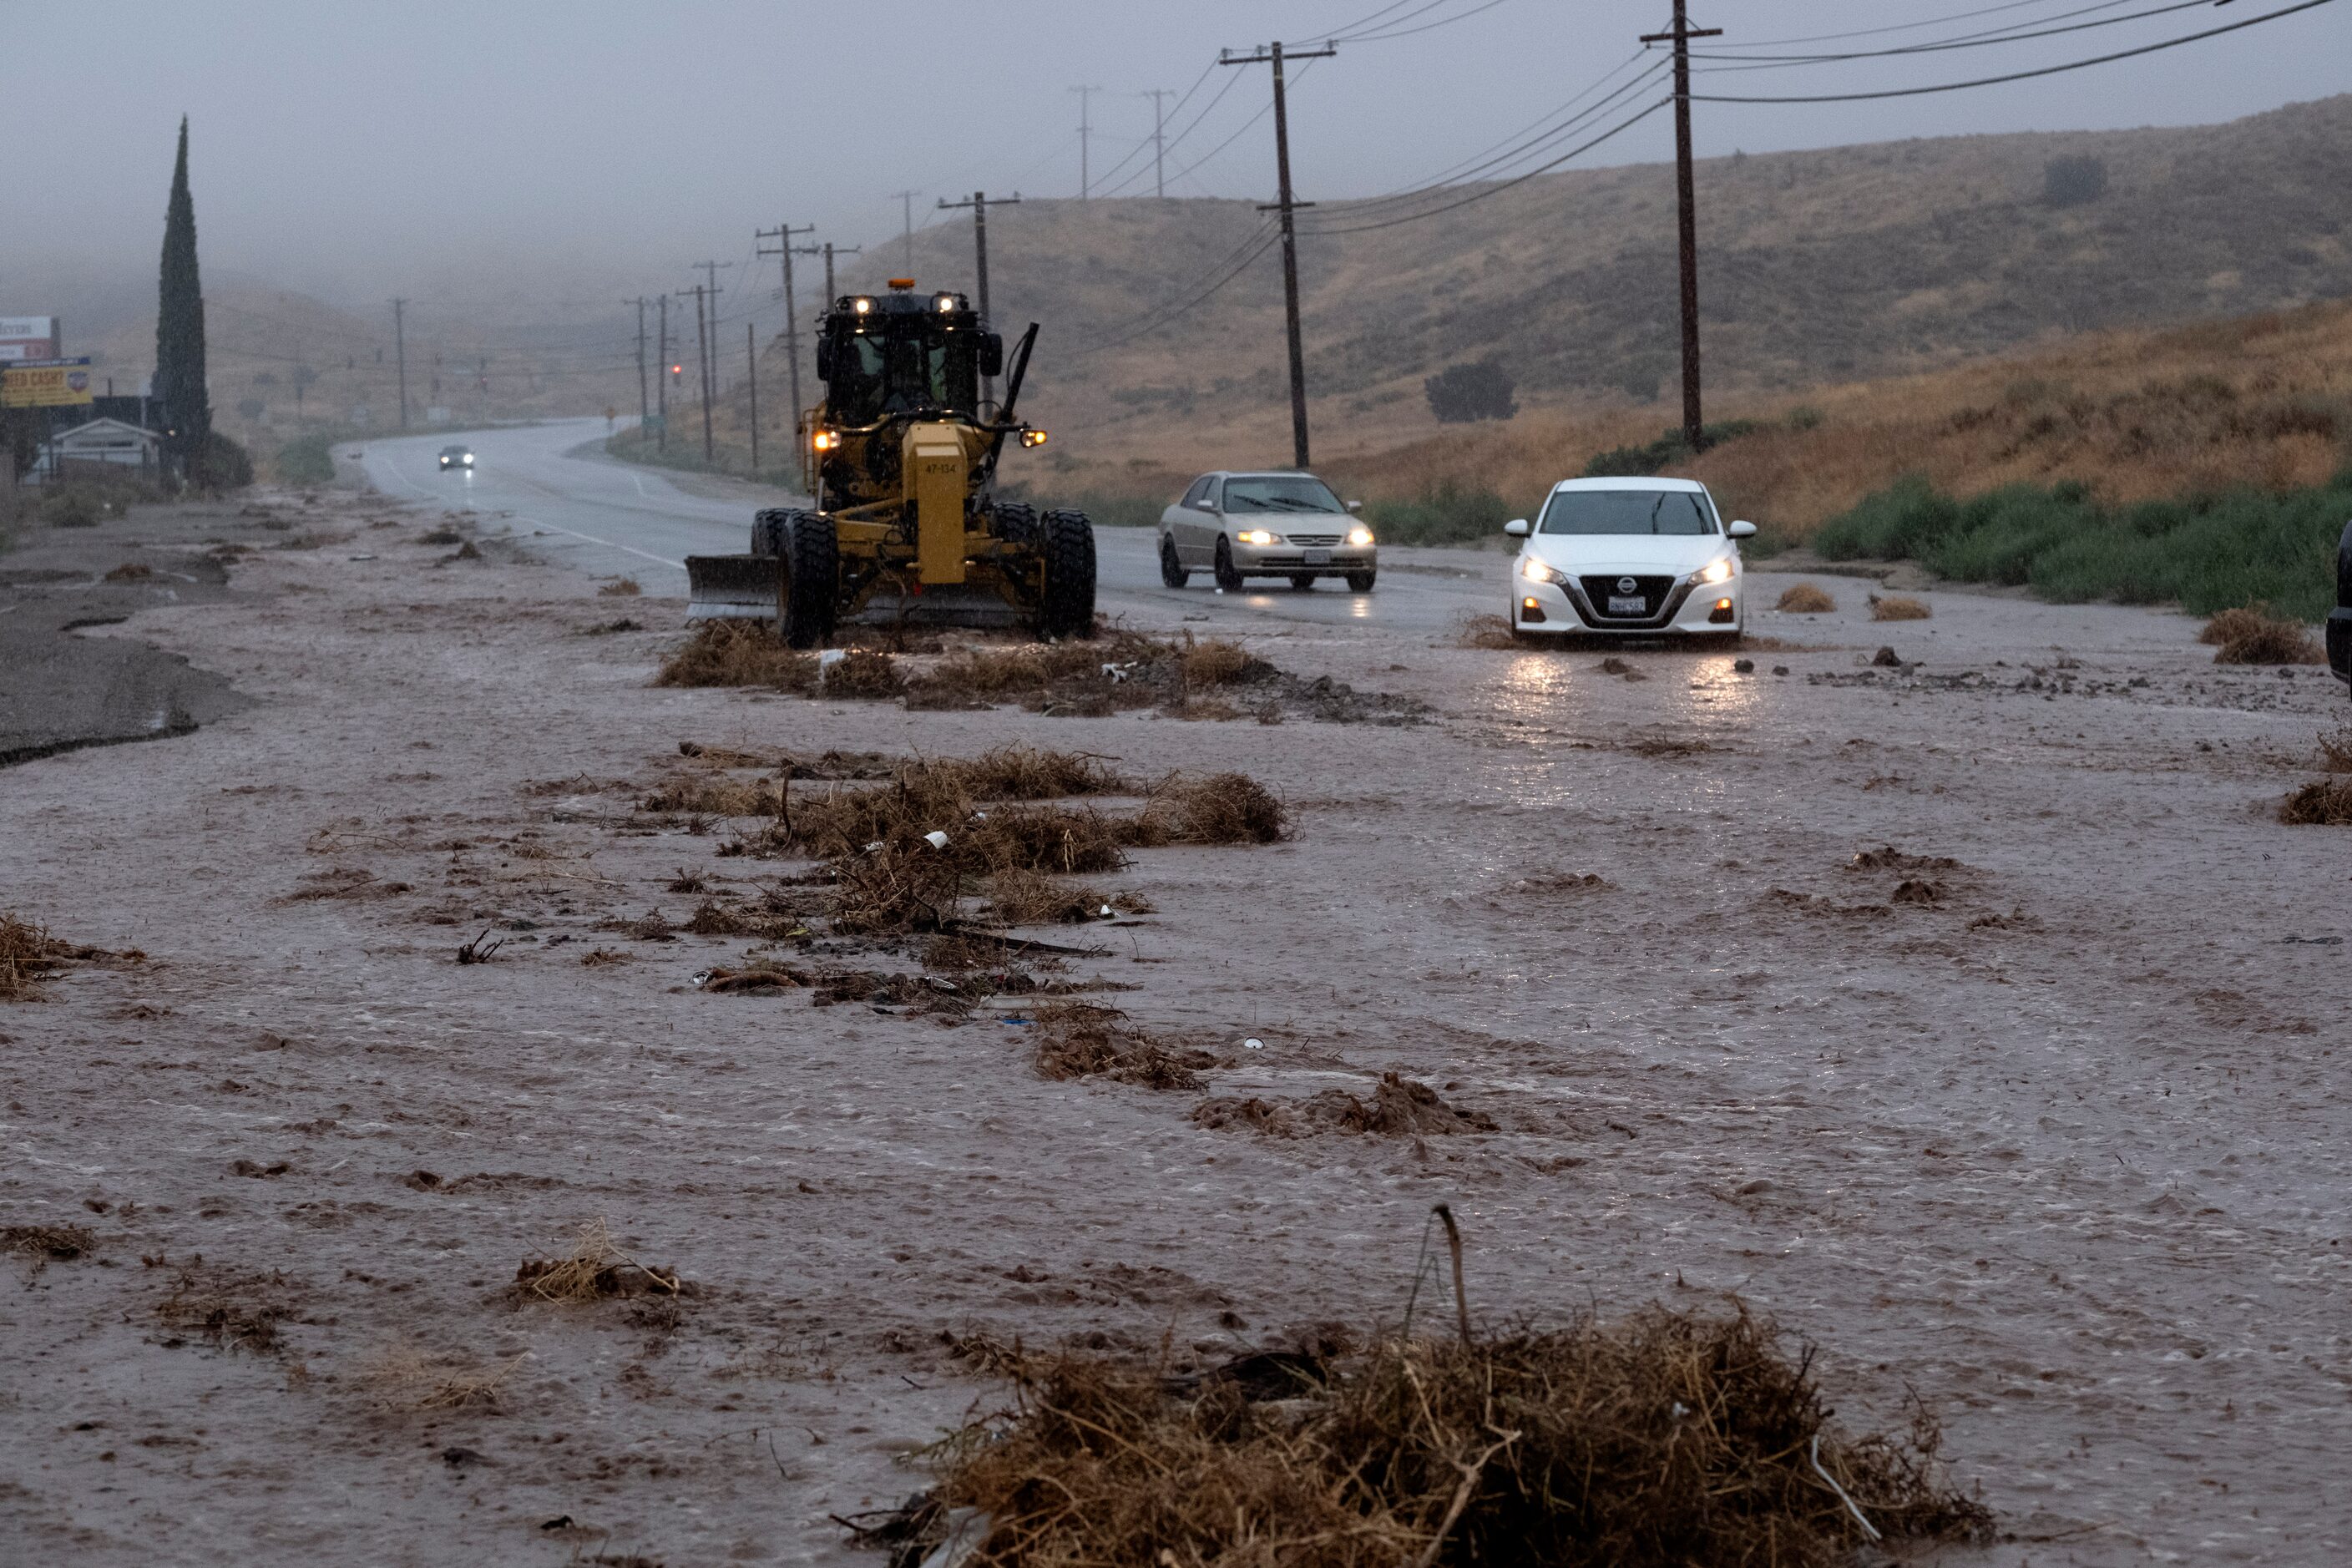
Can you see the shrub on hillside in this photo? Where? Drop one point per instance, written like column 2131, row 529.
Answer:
column 2073, row 182
column 2207, row 552
column 1463, row 393
column 1666, row 450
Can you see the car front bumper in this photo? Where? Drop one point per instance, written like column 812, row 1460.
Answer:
column 1289, row 560
column 1691, row 609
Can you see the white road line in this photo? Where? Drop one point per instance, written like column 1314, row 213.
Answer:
column 630, row 549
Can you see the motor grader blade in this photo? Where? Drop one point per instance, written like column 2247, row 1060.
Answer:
column 732, row 587
column 960, row 604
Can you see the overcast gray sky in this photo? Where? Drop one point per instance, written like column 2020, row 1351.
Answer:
column 503, row 147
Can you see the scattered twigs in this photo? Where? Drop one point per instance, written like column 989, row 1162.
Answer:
column 1461, row 1297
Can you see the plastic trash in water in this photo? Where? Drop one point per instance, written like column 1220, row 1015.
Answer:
column 1253, row 1044
column 700, row 977
column 968, row 1530
column 1105, row 912
column 936, row 839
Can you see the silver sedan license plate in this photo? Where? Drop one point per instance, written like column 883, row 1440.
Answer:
column 1620, row 605
column 1319, row 558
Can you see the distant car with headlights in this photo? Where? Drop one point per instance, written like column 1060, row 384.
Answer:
column 456, row 458
column 1628, row 557
column 1282, row 523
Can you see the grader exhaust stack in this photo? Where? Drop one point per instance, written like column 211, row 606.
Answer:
column 906, row 526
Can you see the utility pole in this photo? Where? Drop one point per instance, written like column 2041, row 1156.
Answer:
column 400, row 343
column 642, row 410
column 702, row 365
column 710, row 361
column 1086, row 129
column 1159, row 138
column 1273, row 55
column 830, row 252
column 782, row 235
column 1693, row 429
column 907, row 203
column 751, row 357
column 661, row 381
column 979, row 205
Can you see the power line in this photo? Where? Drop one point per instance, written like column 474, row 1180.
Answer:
column 1973, row 41
column 1426, row 27
column 1496, row 190
column 2017, row 76
column 1899, row 26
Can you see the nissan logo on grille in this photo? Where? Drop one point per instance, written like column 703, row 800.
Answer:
column 1626, row 585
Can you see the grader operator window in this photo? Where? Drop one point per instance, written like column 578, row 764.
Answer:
column 903, row 367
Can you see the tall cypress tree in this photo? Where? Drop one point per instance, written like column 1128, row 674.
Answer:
column 180, row 328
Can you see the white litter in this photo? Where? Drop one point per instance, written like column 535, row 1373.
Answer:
column 936, row 840
column 1106, row 911
column 701, row 977
column 1253, row 1044
column 829, row 658
column 874, row 847
column 968, row 1530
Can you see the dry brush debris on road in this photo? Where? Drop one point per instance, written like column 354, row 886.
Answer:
column 1663, row 1438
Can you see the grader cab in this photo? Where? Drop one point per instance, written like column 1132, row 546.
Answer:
column 906, row 526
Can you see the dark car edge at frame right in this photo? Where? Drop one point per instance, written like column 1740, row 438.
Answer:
column 2339, row 619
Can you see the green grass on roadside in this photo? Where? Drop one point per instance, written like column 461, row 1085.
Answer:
column 1447, row 512
column 2207, row 553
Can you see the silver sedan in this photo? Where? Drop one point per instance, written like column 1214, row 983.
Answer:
column 1282, row 523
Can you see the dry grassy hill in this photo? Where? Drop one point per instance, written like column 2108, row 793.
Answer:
column 1818, row 267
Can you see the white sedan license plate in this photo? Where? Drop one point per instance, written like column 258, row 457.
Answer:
column 1319, row 558
column 1620, row 605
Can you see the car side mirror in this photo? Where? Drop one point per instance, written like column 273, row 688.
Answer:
column 1517, row 528
column 1355, row 506
column 992, row 354
column 1743, row 531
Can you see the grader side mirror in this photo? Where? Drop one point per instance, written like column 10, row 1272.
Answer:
column 824, row 359
column 992, row 355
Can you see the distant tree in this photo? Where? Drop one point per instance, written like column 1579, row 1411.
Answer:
column 1467, row 391
column 180, row 329
column 2073, row 182
column 251, row 408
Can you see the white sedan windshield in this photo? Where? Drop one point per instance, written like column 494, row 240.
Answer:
column 1628, row 511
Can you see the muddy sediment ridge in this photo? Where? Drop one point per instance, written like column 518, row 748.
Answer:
column 67, row 682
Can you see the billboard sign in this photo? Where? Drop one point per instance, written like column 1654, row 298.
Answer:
column 45, row 383
column 29, row 337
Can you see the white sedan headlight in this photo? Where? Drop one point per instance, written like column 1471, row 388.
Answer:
column 1716, row 570
column 1537, row 571
column 1258, row 536
column 1360, row 536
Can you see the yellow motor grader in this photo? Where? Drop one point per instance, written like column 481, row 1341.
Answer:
column 906, row 526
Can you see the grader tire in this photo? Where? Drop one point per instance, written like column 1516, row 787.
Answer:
column 811, row 569
column 768, row 532
column 1016, row 522
column 1066, row 540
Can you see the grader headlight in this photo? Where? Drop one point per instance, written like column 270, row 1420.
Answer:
column 1033, row 437
column 826, row 441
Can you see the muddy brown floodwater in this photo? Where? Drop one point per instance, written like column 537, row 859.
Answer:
column 2038, row 1108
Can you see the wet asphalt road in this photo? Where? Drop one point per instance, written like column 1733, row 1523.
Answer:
column 611, row 519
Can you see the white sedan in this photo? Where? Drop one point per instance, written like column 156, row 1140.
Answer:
column 1628, row 557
